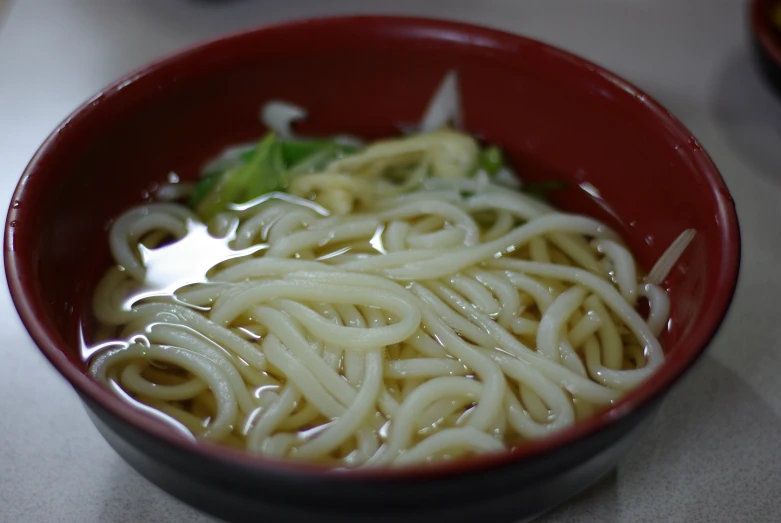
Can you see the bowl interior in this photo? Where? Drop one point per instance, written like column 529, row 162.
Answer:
column 625, row 160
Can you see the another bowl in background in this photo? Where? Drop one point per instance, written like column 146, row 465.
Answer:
column 626, row 159
column 765, row 24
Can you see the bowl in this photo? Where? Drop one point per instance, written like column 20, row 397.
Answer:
column 765, row 26
column 557, row 116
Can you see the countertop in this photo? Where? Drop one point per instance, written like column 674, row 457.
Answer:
column 714, row 451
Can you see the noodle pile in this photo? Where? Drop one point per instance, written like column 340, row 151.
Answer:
column 388, row 308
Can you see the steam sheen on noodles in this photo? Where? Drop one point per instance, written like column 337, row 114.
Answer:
column 393, row 305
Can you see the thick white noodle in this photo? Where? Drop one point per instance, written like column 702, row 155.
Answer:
column 456, row 318
column 667, row 261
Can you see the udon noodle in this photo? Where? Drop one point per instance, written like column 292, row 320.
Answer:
column 393, row 304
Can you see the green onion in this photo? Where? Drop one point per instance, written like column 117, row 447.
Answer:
column 263, row 172
column 203, row 188
column 296, row 151
column 491, row 160
column 263, row 169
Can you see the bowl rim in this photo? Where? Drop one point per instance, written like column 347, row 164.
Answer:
column 31, row 308
column 764, row 33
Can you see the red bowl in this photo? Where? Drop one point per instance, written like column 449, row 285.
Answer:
column 627, row 161
column 766, row 36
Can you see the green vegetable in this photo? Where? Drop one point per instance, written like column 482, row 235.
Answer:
column 491, row 160
column 263, row 172
column 296, row 151
column 540, row 190
column 263, row 169
column 269, row 173
column 203, row 188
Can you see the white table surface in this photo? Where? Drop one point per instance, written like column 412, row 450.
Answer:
column 714, row 452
